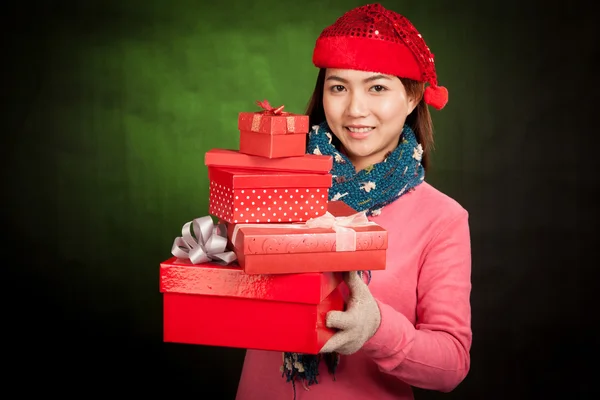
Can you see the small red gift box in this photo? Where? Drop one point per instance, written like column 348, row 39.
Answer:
column 272, row 121
column 272, row 146
column 239, row 195
column 312, row 163
column 341, row 240
column 215, row 305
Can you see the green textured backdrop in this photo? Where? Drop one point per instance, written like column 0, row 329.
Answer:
column 127, row 97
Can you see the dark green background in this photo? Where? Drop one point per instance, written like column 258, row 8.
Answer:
column 110, row 106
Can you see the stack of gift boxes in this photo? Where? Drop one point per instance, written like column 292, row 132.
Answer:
column 267, row 272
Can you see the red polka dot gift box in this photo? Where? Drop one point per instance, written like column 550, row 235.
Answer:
column 340, row 240
column 213, row 304
column 272, row 132
column 237, row 195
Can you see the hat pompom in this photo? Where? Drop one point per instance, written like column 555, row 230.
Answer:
column 436, row 96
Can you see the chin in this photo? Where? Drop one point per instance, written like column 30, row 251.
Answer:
column 359, row 149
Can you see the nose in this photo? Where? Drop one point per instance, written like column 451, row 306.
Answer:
column 357, row 105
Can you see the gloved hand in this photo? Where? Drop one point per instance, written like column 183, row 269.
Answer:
column 358, row 323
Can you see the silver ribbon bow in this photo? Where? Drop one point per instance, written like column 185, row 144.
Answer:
column 209, row 243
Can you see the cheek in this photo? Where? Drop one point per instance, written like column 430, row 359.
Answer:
column 333, row 107
column 392, row 110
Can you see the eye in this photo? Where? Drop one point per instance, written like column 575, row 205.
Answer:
column 337, row 88
column 378, row 88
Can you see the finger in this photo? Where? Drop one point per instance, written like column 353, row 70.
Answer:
column 335, row 342
column 339, row 320
column 355, row 282
column 348, row 347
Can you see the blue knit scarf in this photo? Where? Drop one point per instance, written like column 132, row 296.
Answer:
column 377, row 185
column 368, row 190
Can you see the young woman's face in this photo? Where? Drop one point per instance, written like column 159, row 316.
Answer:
column 366, row 111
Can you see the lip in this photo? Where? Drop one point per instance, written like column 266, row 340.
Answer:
column 358, row 126
column 359, row 135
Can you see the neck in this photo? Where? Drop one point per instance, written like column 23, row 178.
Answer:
column 361, row 163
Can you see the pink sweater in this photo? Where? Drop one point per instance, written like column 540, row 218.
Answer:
column 424, row 296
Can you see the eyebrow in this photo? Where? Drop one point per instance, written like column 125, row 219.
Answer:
column 369, row 79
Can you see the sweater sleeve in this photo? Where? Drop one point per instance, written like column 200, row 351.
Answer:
column 434, row 353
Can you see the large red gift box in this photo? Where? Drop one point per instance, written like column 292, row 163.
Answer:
column 312, row 163
column 342, row 241
column 241, row 195
column 215, row 305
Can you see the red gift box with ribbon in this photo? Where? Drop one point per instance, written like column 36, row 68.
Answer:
column 209, row 300
column 339, row 240
column 272, row 121
column 272, row 132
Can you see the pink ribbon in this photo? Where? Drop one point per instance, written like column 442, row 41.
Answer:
column 345, row 236
column 206, row 242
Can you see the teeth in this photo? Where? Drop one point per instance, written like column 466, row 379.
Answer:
column 359, row 130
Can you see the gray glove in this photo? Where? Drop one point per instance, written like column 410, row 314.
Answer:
column 358, row 323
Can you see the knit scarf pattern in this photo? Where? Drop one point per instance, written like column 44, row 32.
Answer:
column 368, row 190
column 378, row 185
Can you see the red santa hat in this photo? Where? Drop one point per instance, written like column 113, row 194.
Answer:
column 372, row 38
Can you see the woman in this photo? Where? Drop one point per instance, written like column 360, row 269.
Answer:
column 408, row 325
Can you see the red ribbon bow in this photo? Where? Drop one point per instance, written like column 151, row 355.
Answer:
column 268, row 109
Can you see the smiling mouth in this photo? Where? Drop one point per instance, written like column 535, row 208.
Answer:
column 360, row 130
column 359, row 133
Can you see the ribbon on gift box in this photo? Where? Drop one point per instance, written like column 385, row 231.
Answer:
column 207, row 242
column 271, row 111
column 345, row 235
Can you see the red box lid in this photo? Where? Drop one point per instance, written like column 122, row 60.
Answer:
column 234, row 158
column 246, row 179
column 273, row 124
column 178, row 276
column 281, row 238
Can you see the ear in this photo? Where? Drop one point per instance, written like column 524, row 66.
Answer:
column 412, row 101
